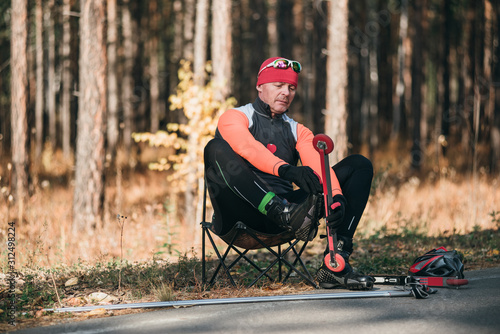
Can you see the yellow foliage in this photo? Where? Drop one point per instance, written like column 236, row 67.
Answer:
column 202, row 110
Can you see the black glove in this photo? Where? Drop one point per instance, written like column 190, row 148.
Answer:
column 303, row 176
column 336, row 212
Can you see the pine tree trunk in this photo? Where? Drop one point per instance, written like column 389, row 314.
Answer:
column 67, row 81
column 19, row 103
column 417, row 157
column 495, row 95
column 399, row 99
column 336, row 111
column 39, row 103
column 221, row 47
column 113, row 93
column 445, row 122
column 200, row 42
column 307, row 60
column 154, row 80
column 90, row 149
column 272, row 28
column 127, row 81
column 467, row 73
column 286, row 30
column 374, row 91
column 320, row 63
column 51, row 74
column 489, row 63
column 189, row 17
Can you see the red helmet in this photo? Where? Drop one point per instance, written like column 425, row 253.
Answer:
column 439, row 262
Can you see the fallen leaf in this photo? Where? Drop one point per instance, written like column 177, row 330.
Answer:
column 72, row 281
column 97, row 311
column 75, row 301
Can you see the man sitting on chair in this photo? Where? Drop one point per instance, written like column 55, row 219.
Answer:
column 251, row 164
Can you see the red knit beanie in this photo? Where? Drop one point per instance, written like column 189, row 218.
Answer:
column 272, row 74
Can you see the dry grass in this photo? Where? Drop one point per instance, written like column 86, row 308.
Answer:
column 447, row 205
column 433, row 204
column 441, row 203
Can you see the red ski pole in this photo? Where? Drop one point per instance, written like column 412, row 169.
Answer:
column 324, row 145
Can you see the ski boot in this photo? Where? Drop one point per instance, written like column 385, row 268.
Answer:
column 347, row 278
column 293, row 217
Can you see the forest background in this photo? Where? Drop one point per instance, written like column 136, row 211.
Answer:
column 105, row 107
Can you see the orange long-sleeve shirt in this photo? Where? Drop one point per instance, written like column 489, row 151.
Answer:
column 235, row 127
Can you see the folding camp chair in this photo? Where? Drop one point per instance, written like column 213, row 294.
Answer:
column 242, row 239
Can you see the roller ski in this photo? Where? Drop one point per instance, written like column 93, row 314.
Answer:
column 335, row 272
column 434, row 282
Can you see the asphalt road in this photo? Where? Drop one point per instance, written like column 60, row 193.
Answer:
column 474, row 308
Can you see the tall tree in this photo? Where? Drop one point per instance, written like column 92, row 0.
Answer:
column 67, row 80
column 19, row 102
column 112, row 126
column 445, row 122
column 221, row 47
column 336, row 70
column 51, row 72
column 307, row 57
column 200, row 42
column 373, row 118
column 176, row 54
column 272, row 27
column 188, row 32
column 320, row 41
column 39, row 80
column 466, row 86
column 250, row 33
column 489, row 33
column 399, row 100
column 286, row 31
column 127, row 81
column 495, row 92
column 417, row 64
column 154, row 62
column 89, row 174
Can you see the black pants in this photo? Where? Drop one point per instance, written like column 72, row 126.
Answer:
column 236, row 192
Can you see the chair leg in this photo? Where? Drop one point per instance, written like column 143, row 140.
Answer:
column 221, row 260
column 280, row 257
column 298, row 258
column 280, row 263
column 242, row 255
column 203, row 264
column 291, row 266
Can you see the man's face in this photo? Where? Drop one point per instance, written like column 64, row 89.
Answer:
column 278, row 95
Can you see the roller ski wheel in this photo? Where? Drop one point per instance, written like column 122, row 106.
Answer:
column 322, row 142
column 336, row 267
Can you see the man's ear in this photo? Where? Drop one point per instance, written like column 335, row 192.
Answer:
column 259, row 88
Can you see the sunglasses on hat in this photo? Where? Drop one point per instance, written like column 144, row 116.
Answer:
column 283, row 64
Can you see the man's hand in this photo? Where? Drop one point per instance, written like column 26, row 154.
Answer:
column 336, row 212
column 302, row 176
